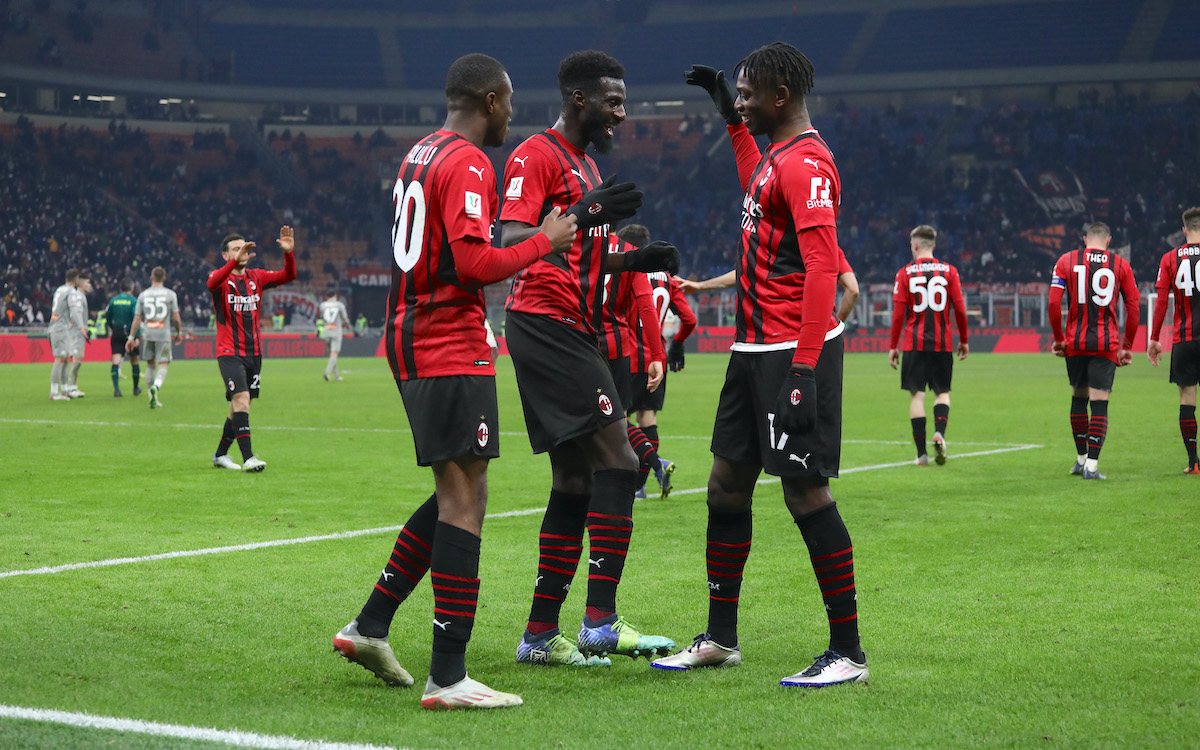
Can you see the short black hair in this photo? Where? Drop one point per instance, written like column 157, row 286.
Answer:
column 230, row 238
column 127, row 285
column 472, row 77
column 779, row 64
column 635, row 234
column 582, row 71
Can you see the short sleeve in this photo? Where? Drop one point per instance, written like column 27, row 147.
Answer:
column 466, row 192
column 526, row 185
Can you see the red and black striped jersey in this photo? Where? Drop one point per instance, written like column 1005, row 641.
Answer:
column 667, row 296
column 237, row 302
column 1178, row 273
column 625, row 296
column 1091, row 280
column 444, row 197
column 787, row 275
column 924, row 293
column 543, row 172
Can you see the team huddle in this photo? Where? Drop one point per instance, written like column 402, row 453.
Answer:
column 584, row 326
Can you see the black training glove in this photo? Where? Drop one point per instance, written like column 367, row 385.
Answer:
column 657, row 256
column 607, row 204
column 675, row 356
column 713, row 81
column 796, row 406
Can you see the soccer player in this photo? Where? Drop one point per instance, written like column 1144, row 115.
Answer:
column 921, row 297
column 648, row 402
column 337, row 322
column 237, row 296
column 1179, row 272
column 444, row 206
column 119, row 317
column 1091, row 279
column 157, row 310
column 571, row 406
column 780, row 408
column 63, row 329
column 628, row 306
column 69, row 334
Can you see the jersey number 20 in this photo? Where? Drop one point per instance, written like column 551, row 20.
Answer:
column 408, row 208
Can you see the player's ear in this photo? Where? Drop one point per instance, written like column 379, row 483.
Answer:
column 579, row 99
column 489, row 101
column 783, row 95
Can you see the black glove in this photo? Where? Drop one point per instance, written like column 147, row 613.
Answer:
column 796, row 407
column 713, row 81
column 607, row 204
column 675, row 356
column 657, row 256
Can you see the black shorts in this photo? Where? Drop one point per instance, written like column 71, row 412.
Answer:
column 1185, row 363
column 240, row 374
column 1091, row 371
column 644, row 400
column 565, row 384
column 622, row 378
column 117, row 341
column 919, row 370
column 452, row 416
column 744, row 430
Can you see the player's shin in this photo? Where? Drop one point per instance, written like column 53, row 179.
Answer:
column 455, row 578
column 610, row 525
column 728, row 548
column 560, row 544
column 832, row 555
column 406, row 566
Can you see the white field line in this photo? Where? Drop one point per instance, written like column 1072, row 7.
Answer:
column 385, row 430
column 234, row 738
column 393, row 529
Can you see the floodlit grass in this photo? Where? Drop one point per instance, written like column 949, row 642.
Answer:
column 1003, row 603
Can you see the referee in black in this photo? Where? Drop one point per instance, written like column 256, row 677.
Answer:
column 119, row 316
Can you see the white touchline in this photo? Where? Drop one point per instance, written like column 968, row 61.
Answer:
column 392, row 529
column 228, row 737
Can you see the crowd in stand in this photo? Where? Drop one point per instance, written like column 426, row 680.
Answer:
column 122, row 202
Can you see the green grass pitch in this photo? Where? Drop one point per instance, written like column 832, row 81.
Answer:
column 1002, row 602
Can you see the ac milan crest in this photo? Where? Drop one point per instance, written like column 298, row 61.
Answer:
column 482, row 434
column 795, row 397
column 606, row 405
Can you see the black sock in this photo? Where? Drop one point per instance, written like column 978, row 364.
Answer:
column 728, row 548
column 137, row 374
column 832, row 555
column 228, row 435
column 1097, row 428
column 1187, row 430
column 941, row 416
column 116, row 378
column 918, row 427
column 241, row 426
column 455, row 578
column 560, row 543
column 645, row 450
column 610, row 525
column 405, row 568
column 1079, row 424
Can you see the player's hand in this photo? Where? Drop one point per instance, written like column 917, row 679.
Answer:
column 1124, row 357
column 657, row 256
column 796, row 405
column 244, row 255
column 963, row 350
column 1154, row 352
column 287, row 239
column 675, row 355
column 560, row 229
column 894, row 358
column 713, row 81
column 654, row 375
column 1059, row 348
column 608, row 203
column 687, row 286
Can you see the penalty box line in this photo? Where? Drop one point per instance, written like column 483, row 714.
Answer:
column 395, row 529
